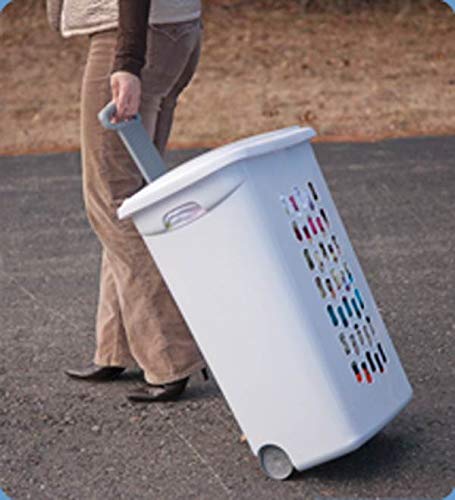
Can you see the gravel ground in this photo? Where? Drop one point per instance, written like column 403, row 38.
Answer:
column 60, row 439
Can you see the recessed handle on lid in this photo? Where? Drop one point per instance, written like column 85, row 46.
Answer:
column 182, row 215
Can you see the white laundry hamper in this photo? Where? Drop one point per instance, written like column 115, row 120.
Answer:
column 253, row 250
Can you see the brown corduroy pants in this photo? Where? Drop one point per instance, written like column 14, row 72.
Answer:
column 137, row 319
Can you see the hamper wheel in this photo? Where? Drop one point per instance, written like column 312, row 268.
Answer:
column 275, row 462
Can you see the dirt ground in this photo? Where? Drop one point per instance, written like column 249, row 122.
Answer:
column 361, row 76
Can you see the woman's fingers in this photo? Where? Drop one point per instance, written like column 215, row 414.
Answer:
column 126, row 93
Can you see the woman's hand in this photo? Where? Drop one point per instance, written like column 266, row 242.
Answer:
column 126, row 94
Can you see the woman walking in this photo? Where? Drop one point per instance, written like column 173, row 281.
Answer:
column 142, row 54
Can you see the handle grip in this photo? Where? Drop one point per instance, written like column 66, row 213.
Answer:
column 107, row 113
column 137, row 141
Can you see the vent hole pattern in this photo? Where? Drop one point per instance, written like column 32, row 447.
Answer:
column 335, row 282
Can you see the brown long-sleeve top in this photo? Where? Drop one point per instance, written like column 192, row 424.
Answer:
column 131, row 36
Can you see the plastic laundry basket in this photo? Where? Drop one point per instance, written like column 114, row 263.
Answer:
column 251, row 246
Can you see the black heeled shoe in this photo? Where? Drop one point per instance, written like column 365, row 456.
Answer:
column 96, row 373
column 164, row 392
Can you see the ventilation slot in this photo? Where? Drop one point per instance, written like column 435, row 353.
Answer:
column 336, row 278
column 294, row 204
column 330, row 288
column 313, row 227
column 332, row 315
column 367, row 335
column 324, row 217
column 344, row 343
column 359, row 298
column 354, row 344
column 378, row 362
column 343, row 318
column 370, row 324
column 366, row 372
column 313, row 191
column 319, row 261
column 356, row 308
column 332, row 253
column 320, row 286
column 356, row 371
column 347, row 307
column 308, row 259
column 348, row 272
column 306, row 231
column 359, row 335
column 285, row 205
column 323, row 251
column 320, row 225
column 370, row 362
column 382, row 353
column 335, row 242
column 297, row 232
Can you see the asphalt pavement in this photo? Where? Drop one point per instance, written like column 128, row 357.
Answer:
column 61, row 439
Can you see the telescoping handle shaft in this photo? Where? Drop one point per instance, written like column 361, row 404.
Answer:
column 137, row 142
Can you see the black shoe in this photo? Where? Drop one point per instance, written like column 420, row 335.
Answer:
column 165, row 392
column 95, row 373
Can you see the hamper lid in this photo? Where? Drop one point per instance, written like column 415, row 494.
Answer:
column 206, row 164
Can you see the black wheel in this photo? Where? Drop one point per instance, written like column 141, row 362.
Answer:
column 275, row 462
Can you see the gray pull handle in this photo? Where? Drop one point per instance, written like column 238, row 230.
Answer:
column 137, row 142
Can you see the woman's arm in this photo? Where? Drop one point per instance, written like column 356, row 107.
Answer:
column 132, row 36
column 129, row 56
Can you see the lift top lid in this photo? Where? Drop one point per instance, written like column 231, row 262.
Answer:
column 206, row 164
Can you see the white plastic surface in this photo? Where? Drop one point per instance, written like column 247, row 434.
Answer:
column 240, row 275
column 206, row 164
